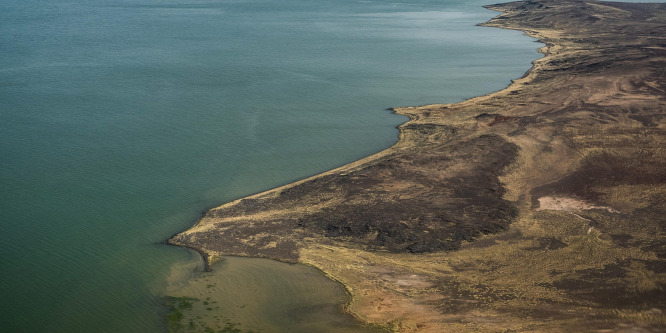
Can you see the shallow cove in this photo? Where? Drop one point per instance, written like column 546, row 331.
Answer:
column 284, row 298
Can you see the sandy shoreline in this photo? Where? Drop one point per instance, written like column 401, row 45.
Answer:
column 443, row 230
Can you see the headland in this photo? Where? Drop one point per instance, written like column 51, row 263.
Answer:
column 540, row 207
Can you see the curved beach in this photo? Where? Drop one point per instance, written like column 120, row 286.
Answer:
column 535, row 208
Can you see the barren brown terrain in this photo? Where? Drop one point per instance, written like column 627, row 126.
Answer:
column 541, row 207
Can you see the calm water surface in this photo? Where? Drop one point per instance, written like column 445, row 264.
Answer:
column 122, row 120
column 261, row 295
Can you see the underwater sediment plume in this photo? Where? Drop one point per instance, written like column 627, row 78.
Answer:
column 540, row 207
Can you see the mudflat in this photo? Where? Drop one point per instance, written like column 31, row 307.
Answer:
column 540, row 207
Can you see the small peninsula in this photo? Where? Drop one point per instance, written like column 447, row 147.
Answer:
column 540, row 207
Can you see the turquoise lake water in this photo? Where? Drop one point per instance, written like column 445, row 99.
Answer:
column 122, row 120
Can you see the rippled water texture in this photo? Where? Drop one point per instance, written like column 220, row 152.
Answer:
column 122, row 120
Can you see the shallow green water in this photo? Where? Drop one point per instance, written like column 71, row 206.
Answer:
column 122, row 120
column 284, row 298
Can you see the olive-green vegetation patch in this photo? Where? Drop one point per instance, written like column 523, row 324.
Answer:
column 176, row 306
column 179, row 318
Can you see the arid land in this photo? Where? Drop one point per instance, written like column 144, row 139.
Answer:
column 541, row 207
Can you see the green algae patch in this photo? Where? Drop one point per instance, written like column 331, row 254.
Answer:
column 176, row 307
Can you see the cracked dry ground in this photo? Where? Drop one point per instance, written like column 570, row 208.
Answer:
column 541, row 207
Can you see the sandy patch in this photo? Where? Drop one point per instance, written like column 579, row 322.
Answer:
column 568, row 204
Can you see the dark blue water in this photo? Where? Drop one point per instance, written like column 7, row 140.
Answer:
column 121, row 120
